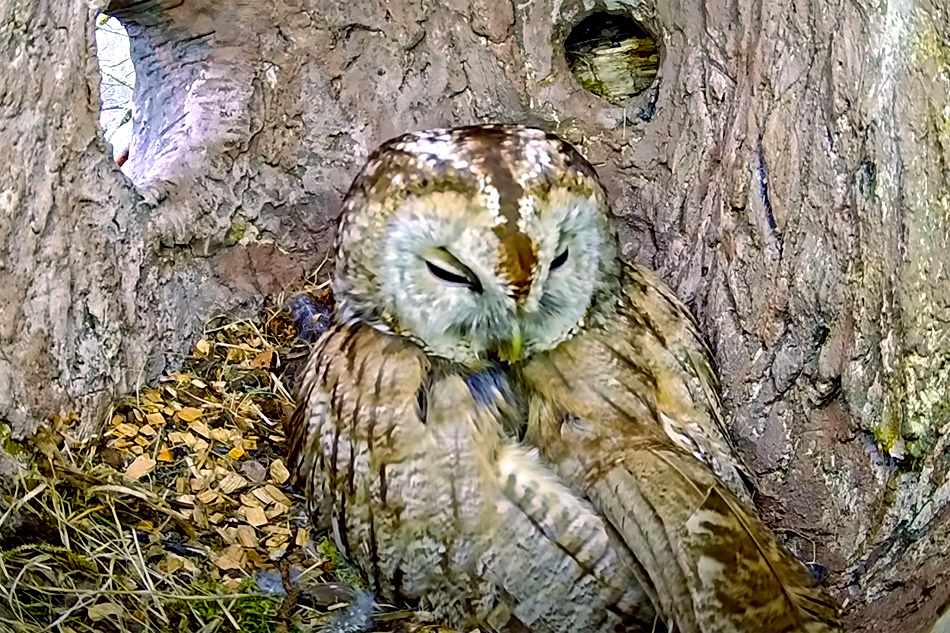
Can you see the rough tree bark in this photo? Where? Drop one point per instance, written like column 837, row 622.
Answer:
column 787, row 174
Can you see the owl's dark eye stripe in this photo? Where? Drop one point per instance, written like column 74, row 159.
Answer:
column 559, row 261
column 453, row 278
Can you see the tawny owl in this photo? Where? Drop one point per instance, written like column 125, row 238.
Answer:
column 405, row 437
column 480, row 297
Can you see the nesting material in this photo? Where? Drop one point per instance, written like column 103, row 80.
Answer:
column 181, row 516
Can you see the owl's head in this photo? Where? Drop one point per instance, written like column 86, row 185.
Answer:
column 478, row 243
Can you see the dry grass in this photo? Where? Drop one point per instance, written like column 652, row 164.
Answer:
column 179, row 517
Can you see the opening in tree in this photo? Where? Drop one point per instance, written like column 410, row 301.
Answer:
column 612, row 56
column 116, row 86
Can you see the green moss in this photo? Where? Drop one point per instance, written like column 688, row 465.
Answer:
column 929, row 44
column 11, row 446
column 931, row 52
column 343, row 569
column 238, row 228
column 254, row 613
column 257, row 614
column 887, row 433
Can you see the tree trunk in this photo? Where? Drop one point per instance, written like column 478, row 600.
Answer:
column 787, row 173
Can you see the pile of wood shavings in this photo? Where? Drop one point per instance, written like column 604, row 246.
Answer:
column 211, row 435
column 181, row 516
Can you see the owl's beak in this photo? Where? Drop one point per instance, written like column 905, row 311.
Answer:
column 512, row 351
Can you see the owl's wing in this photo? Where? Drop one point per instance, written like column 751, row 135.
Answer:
column 653, row 346
column 433, row 502
column 715, row 566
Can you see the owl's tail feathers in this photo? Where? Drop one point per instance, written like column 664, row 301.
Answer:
column 715, row 566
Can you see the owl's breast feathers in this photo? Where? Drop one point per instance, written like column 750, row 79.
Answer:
column 409, row 463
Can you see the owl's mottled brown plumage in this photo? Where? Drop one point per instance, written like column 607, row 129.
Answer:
column 428, row 495
column 604, row 408
column 480, row 297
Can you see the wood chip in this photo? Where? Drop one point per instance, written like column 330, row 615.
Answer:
column 278, row 472
column 104, row 610
column 231, row 585
column 275, row 511
column 126, row 430
column 207, row 497
column 140, row 466
column 165, row 455
column 225, row 562
column 232, row 483
column 277, row 495
column 228, row 534
column 237, row 453
column 187, row 439
column 189, row 414
column 220, row 435
column 249, row 500
column 263, row 496
column 200, row 516
column 276, row 541
column 155, row 419
column 199, row 427
column 255, row 515
column 171, row 563
column 147, row 430
column 247, row 536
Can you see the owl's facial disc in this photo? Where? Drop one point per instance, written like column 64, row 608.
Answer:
column 575, row 257
column 439, row 275
column 478, row 243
